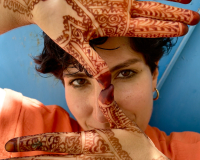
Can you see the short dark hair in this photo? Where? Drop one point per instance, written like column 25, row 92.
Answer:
column 53, row 59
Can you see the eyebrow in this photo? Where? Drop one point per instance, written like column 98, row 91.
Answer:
column 77, row 74
column 117, row 67
column 125, row 64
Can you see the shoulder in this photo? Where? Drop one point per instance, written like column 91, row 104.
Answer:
column 23, row 116
column 182, row 145
column 32, row 116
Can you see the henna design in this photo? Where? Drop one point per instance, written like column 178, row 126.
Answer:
column 162, row 11
column 74, row 43
column 111, row 18
column 115, row 144
column 113, row 113
column 57, row 142
column 95, row 144
column 15, row 6
column 141, row 27
column 62, row 143
column 88, row 145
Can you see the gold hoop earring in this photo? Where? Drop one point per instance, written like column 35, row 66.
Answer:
column 157, row 94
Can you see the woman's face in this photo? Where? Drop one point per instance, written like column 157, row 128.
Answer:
column 133, row 86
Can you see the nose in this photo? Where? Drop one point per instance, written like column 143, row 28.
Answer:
column 97, row 114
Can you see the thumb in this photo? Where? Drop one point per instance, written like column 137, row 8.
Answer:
column 112, row 111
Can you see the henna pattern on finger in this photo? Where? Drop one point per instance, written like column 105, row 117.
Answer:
column 141, row 27
column 49, row 142
column 163, row 12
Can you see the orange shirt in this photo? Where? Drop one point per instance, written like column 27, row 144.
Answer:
column 20, row 116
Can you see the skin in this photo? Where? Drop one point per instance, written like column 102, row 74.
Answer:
column 137, row 98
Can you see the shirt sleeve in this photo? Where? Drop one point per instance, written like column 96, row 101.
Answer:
column 23, row 116
column 9, row 116
column 178, row 145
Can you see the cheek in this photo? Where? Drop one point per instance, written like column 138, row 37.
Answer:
column 136, row 100
column 77, row 104
column 134, row 97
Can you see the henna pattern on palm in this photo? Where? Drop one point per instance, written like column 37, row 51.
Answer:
column 159, row 10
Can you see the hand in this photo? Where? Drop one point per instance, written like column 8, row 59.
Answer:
column 129, row 142
column 72, row 23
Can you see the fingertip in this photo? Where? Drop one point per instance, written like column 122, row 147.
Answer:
column 107, row 95
column 196, row 18
column 10, row 146
column 181, row 1
column 184, row 29
column 185, row 1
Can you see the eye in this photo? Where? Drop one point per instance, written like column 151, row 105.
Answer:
column 78, row 82
column 126, row 74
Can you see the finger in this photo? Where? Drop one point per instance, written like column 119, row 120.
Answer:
column 66, row 157
column 112, row 112
column 88, row 142
column 46, row 157
column 48, row 142
column 181, row 1
column 164, row 12
column 149, row 28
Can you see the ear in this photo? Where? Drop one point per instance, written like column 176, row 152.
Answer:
column 155, row 77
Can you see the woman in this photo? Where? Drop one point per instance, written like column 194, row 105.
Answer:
column 126, row 68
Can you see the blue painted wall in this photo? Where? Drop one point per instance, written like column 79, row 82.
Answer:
column 17, row 67
column 177, row 109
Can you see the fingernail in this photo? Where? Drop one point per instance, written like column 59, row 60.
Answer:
column 196, row 18
column 107, row 96
column 11, row 145
column 185, row 1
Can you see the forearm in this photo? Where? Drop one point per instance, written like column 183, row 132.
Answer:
column 15, row 13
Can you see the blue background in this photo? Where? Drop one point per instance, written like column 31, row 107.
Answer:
column 177, row 109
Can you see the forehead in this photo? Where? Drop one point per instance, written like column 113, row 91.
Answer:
column 117, row 50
